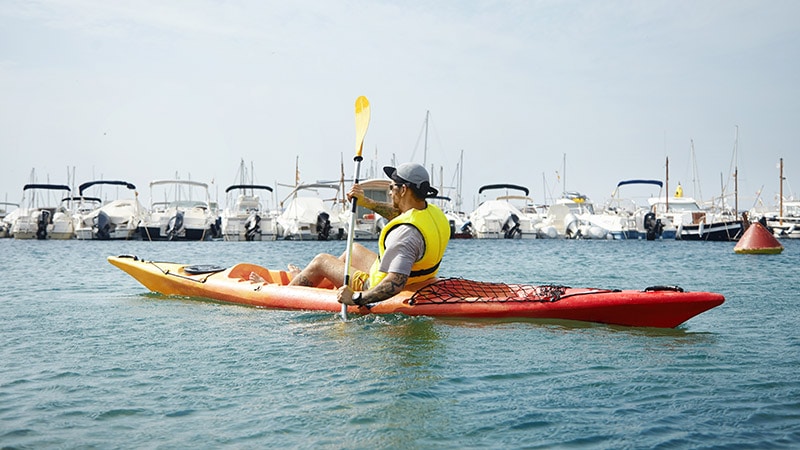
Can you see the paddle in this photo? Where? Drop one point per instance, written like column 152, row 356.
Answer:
column 362, row 122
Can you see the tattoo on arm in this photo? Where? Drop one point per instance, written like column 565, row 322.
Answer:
column 390, row 286
column 385, row 209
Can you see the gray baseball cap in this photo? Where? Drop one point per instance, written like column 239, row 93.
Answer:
column 413, row 174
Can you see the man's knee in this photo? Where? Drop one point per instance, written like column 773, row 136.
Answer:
column 320, row 261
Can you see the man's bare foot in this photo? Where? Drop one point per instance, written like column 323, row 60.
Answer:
column 294, row 270
column 256, row 278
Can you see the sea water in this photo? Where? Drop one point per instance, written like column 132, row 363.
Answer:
column 90, row 359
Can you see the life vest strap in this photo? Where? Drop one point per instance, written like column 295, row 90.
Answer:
column 428, row 271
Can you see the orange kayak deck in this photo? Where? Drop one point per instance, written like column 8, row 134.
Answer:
column 663, row 307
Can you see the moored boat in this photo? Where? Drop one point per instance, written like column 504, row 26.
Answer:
column 499, row 218
column 7, row 217
column 179, row 210
column 658, row 306
column 103, row 220
column 245, row 218
column 308, row 217
column 693, row 223
column 41, row 216
column 626, row 218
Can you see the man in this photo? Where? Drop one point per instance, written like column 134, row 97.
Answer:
column 410, row 246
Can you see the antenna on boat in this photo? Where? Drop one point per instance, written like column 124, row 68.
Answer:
column 780, row 212
column 666, row 187
column 736, row 174
column 425, row 148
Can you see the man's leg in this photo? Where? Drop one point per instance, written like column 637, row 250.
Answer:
column 361, row 258
column 321, row 267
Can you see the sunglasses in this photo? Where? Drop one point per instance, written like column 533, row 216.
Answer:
column 394, row 186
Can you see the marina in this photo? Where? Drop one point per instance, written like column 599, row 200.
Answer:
column 579, row 228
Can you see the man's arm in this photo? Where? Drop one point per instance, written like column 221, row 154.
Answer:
column 390, row 286
column 385, row 209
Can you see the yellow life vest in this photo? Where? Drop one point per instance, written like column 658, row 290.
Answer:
column 435, row 229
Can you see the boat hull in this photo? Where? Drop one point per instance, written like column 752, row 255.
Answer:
column 717, row 231
column 663, row 308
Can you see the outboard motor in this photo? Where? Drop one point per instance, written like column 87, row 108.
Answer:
column 41, row 224
column 216, row 228
column 323, row 226
column 467, row 227
column 511, row 227
column 652, row 226
column 251, row 227
column 572, row 230
column 101, row 226
column 175, row 226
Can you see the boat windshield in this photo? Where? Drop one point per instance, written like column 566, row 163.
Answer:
column 188, row 204
column 684, row 207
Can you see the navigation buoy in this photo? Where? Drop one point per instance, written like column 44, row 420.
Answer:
column 758, row 240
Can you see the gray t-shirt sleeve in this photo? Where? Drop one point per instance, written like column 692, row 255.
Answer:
column 404, row 246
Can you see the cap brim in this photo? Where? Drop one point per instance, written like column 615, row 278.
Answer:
column 389, row 171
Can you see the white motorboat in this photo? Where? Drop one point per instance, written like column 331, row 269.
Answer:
column 104, row 220
column 245, row 218
column 784, row 219
column 693, row 223
column 625, row 218
column 571, row 217
column 179, row 210
column 499, row 219
column 783, row 222
column 307, row 216
column 7, row 218
column 43, row 214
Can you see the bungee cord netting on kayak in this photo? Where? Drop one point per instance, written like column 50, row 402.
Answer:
column 460, row 290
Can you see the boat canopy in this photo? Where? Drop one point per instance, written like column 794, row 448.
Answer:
column 503, row 186
column 439, row 197
column 185, row 182
column 54, row 187
column 247, row 186
column 655, row 182
column 89, row 184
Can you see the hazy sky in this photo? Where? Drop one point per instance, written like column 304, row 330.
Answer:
column 144, row 90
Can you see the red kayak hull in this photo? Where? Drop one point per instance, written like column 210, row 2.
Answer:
column 457, row 298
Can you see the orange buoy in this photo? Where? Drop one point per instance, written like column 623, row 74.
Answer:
column 757, row 239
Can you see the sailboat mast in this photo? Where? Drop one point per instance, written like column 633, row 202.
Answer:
column 736, row 192
column 460, row 175
column 666, row 185
column 441, row 179
column 780, row 212
column 697, row 191
column 425, row 148
column 736, row 174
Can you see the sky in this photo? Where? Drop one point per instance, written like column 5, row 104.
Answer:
column 550, row 95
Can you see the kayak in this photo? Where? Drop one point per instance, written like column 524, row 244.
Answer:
column 657, row 306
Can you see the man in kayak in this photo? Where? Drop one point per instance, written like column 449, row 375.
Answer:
column 410, row 246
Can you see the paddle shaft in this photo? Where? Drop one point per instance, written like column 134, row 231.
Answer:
column 351, row 234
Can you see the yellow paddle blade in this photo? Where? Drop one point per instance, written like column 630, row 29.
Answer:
column 362, row 122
